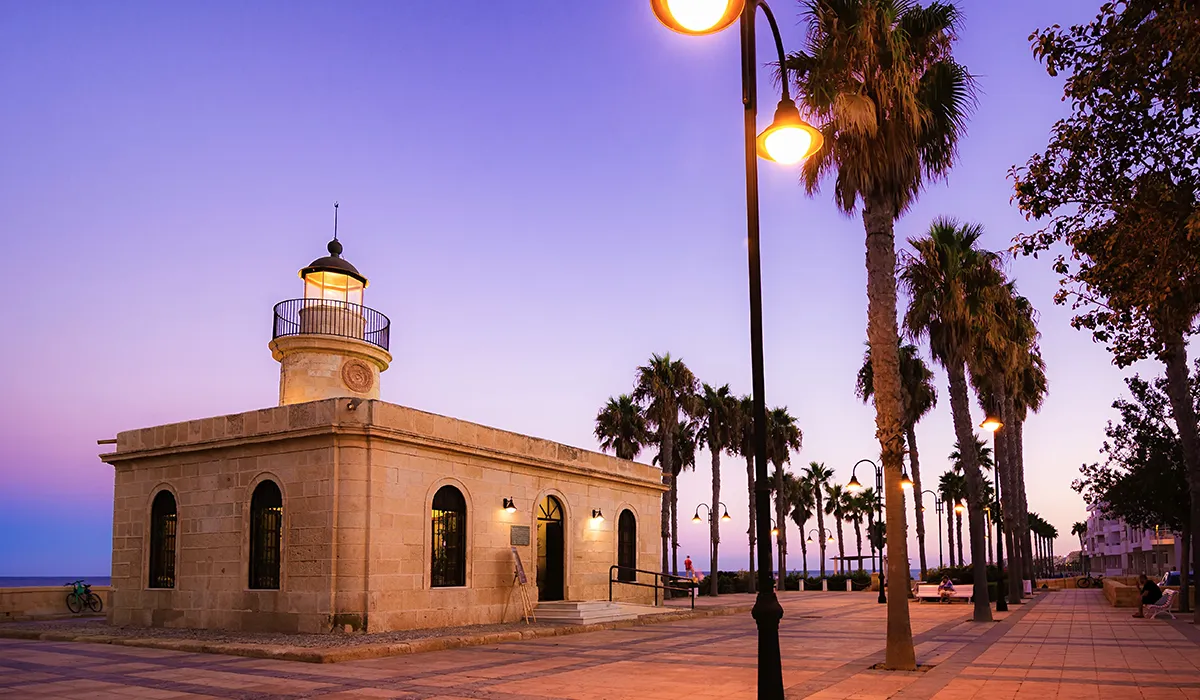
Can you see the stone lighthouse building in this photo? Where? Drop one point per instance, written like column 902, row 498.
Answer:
column 336, row 509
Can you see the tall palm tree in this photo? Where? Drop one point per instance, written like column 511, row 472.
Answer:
column 953, row 286
column 818, row 476
column 1027, row 396
column 621, row 427
column 718, row 428
column 836, row 505
column 802, row 509
column 857, row 511
column 744, row 446
column 950, row 489
column 880, row 76
column 1079, row 529
column 919, row 397
column 984, row 456
column 665, row 386
column 783, row 438
column 684, row 446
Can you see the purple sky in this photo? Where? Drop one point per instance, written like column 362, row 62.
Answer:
column 542, row 194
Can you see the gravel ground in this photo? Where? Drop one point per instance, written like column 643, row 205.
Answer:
column 98, row 627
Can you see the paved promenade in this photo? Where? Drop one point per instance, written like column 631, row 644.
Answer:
column 1068, row 644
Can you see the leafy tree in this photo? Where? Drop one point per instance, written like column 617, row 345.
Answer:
column 954, row 288
column 664, row 387
column 1143, row 476
column 1118, row 185
column 881, row 77
column 718, row 409
column 818, row 475
column 783, row 437
column 621, row 427
column 919, row 398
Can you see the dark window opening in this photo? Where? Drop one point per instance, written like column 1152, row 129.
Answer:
column 448, row 564
column 626, row 546
column 266, row 535
column 163, row 526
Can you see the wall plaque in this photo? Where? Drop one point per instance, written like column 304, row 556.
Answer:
column 518, row 535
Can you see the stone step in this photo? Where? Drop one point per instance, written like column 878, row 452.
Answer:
column 580, row 612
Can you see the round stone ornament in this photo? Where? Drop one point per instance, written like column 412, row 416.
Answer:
column 357, row 376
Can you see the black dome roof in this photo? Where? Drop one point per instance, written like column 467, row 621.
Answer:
column 334, row 262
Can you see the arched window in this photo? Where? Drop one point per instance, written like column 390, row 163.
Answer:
column 626, row 546
column 163, row 520
column 448, row 565
column 266, row 535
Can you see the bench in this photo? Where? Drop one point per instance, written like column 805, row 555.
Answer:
column 929, row 591
column 1163, row 606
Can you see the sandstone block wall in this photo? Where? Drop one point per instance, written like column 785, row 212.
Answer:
column 358, row 479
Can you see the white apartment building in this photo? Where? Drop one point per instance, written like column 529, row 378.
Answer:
column 1113, row 548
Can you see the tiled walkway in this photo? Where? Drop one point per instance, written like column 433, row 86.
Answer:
column 1067, row 644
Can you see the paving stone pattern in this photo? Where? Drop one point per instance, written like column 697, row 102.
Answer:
column 1068, row 644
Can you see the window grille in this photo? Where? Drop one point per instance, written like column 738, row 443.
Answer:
column 626, row 546
column 448, row 563
column 163, row 525
column 266, row 535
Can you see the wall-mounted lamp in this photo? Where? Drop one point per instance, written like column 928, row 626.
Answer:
column 509, row 505
column 597, row 514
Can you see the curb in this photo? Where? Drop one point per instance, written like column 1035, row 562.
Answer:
column 327, row 655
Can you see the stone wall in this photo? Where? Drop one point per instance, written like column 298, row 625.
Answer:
column 40, row 602
column 358, row 479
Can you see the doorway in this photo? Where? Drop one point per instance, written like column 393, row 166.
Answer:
column 551, row 549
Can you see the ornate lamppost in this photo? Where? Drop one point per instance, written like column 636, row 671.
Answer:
column 788, row 140
column 855, row 487
column 939, row 509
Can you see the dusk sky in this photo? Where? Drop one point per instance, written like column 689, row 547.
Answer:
column 541, row 193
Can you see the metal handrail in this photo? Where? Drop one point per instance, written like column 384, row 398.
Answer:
column 690, row 588
column 331, row 317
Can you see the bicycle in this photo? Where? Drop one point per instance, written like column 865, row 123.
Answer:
column 1087, row 581
column 81, row 596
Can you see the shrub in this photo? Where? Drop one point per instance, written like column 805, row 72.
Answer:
column 812, row 583
column 837, row 582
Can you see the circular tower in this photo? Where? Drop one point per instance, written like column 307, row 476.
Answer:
column 328, row 344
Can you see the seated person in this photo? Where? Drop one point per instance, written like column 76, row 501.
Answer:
column 1151, row 594
column 946, row 588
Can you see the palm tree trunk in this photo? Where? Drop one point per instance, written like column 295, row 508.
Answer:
column 753, row 585
column 958, row 519
column 666, row 442
column 858, row 540
column 991, row 543
column 950, row 531
column 714, row 519
column 960, row 409
column 914, row 463
column 1182, row 408
column 879, row 216
column 1185, row 582
column 1010, row 503
column 675, row 525
column 820, row 526
column 841, row 547
column 1023, row 514
column 803, row 551
column 781, row 538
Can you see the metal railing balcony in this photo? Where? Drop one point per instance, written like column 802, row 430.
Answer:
column 330, row 317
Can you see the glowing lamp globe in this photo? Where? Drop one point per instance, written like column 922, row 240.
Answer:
column 905, row 482
column 789, row 139
column 991, row 424
column 332, row 278
column 853, row 486
column 960, row 508
column 696, row 17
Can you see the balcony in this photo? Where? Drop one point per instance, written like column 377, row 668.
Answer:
column 329, row 317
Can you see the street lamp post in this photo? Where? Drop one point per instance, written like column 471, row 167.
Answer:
column 939, row 509
column 820, row 532
column 855, row 487
column 993, row 424
column 788, row 140
column 724, row 518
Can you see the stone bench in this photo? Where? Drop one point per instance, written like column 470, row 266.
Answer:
column 929, row 591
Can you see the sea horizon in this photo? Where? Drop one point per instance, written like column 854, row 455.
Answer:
column 32, row 581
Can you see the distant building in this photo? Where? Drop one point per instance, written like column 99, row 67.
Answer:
column 1113, row 548
column 336, row 510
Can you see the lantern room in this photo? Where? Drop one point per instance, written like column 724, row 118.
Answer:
column 332, row 278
